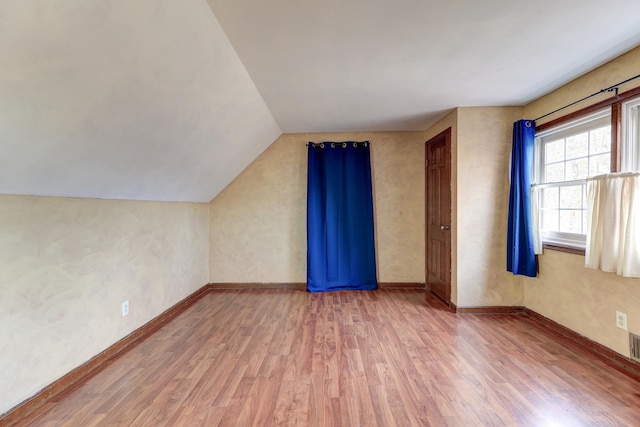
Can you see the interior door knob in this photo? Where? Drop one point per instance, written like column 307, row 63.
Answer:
column 444, row 227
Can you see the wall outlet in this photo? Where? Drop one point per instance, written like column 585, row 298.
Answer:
column 125, row 308
column 621, row 320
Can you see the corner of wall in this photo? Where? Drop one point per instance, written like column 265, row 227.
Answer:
column 209, row 238
column 483, row 147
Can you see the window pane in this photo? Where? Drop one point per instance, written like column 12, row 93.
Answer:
column 600, row 164
column 600, row 140
column 571, row 197
column 568, row 155
column 578, row 145
column 554, row 172
column 577, row 169
column 571, row 221
column 550, row 219
column 554, row 151
column 550, row 197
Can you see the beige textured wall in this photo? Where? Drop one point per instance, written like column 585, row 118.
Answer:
column 584, row 300
column 67, row 264
column 258, row 223
column 483, row 156
column 581, row 299
column 480, row 153
column 617, row 70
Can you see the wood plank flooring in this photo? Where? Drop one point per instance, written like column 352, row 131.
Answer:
column 383, row 358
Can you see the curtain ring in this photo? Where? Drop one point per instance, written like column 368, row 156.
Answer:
column 528, row 123
column 333, row 145
column 344, row 145
column 322, row 145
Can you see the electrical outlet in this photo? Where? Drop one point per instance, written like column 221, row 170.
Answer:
column 125, row 308
column 621, row 320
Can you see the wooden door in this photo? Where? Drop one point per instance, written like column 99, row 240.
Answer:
column 438, row 215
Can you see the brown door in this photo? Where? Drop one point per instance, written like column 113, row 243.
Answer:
column 438, row 215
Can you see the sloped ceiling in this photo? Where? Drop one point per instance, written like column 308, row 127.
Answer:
column 140, row 99
column 149, row 99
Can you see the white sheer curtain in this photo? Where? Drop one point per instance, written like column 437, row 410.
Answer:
column 613, row 227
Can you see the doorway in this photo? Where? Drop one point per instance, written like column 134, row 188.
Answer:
column 438, row 215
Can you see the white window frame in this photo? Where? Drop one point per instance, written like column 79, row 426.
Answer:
column 590, row 121
column 630, row 145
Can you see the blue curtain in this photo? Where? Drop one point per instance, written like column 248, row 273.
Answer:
column 340, row 245
column 521, row 257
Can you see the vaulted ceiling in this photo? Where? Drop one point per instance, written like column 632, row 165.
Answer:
column 171, row 100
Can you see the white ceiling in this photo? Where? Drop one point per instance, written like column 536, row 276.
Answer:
column 147, row 99
column 343, row 65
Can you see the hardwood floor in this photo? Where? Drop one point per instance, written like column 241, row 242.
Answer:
column 383, row 358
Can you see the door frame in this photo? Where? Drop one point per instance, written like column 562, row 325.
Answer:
column 446, row 135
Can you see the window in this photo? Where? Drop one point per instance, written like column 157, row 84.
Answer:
column 565, row 156
column 570, row 150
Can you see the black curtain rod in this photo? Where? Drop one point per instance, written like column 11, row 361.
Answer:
column 341, row 143
column 613, row 88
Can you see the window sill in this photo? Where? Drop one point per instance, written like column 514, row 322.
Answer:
column 561, row 248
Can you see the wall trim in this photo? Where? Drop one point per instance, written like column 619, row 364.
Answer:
column 612, row 358
column 607, row 355
column 401, row 285
column 78, row 376
column 302, row 286
column 497, row 309
column 32, row 406
column 298, row 286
